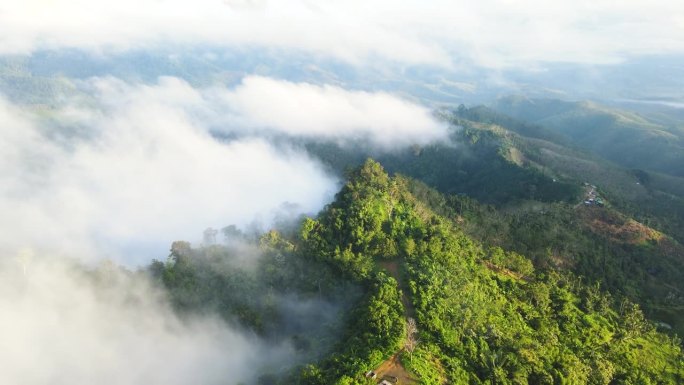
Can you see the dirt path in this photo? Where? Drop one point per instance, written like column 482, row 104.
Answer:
column 392, row 366
column 393, row 268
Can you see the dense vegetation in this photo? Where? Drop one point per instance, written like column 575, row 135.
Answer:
column 534, row 185
column 286, row 295
column 627, row 138
column 478, row 162
column 651, row 198
column 627, row 259
column 484, row 315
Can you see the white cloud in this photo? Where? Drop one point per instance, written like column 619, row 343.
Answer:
column 329, row 112
column 148, row 173
column 297, row 25
column 488, row 32
column 135, row 167
column 60, row 327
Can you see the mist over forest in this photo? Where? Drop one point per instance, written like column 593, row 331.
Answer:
column 255, row 192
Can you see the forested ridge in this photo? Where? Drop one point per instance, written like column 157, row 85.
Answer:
column 519, row 186
column 484, row 314
column 631, row 139
column 599, row 244
column 650, row 197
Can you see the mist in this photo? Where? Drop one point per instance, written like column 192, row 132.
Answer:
column 116, row 171
column 134, row 167
column 129, row 127
column 141, row 175
column 62, row 324
column 330, row 113
column 492, row 33
column 126, row 126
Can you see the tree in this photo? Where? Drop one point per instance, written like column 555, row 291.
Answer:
column 411, row 337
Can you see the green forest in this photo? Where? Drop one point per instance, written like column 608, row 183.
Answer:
column 388, row 250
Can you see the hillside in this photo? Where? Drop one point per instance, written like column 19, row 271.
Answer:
column 600, row 244
column 480, row 160
column 651, row 198
column 483, row 315
column 629, row 139
column 524, row 193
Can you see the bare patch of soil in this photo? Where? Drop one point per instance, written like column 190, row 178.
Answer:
column 393, row 367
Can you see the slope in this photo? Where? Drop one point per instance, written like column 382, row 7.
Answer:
column 651, row 198
column 483, row 315
column 626, row 138
column 476, row 323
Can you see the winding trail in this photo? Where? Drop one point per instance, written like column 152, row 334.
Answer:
column 393, row 366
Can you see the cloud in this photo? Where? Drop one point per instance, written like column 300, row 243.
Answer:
column 129, row 168
column 62, row 326
column 330, row 113
column 492, row 33
column 143, row 173
column 292, row 25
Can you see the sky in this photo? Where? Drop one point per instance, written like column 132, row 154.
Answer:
column 440, row 33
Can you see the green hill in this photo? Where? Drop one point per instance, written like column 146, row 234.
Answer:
column 533, row 189
column 483, row 315
column 651, row 198
column 624, row 137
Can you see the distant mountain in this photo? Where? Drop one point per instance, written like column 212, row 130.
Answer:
column 629, row 139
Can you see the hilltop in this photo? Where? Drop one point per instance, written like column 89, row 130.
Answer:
column 516, row 185
column 483, row 314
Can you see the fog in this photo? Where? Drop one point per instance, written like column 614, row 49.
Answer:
column 61, row 325
column 118, row 170
column 491, row 33
column 126, row 170
column 147, row 176
column 128, row 205
column 330, row 113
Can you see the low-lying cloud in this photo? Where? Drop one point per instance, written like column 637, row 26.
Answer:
column 125, row 169
column 60, row 325
column 327, row 112
column 139, row 173
column 443, row 33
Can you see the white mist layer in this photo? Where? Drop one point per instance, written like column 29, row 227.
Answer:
column 60, row 327
column 126, row 169
column 141, row 173
column 330, row 112
column 439, row 33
